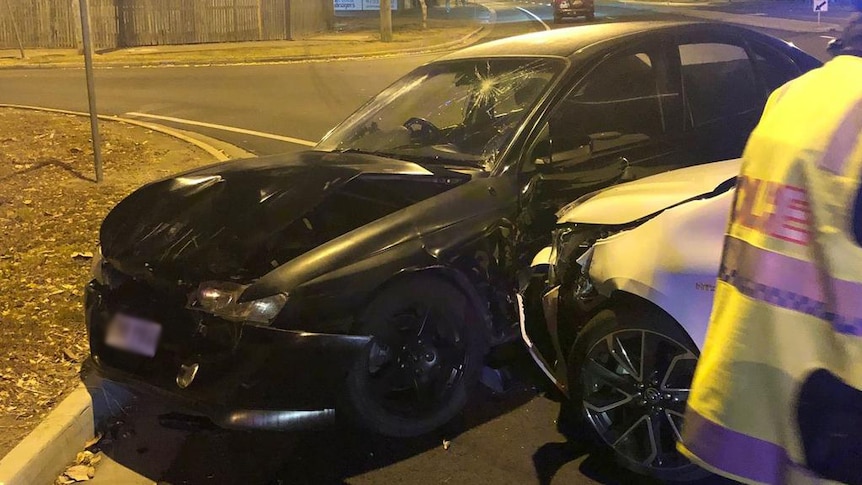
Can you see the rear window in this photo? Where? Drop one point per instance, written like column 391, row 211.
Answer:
column 719, row 81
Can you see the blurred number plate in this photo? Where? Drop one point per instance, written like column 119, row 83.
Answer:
column 134, row 335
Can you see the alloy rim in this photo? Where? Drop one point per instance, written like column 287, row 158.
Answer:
column 416, row 362
column 635, row 386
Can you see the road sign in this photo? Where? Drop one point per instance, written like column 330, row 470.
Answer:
column 820, row 5
column 362, row 4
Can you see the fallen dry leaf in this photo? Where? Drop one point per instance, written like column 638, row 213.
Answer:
column 87, row 458
column 92, row 441
column 64, row 480
column 70, row 356
column 80, row 473
column 84, row 255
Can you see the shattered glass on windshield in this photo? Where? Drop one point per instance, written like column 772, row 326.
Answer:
column 462, row 112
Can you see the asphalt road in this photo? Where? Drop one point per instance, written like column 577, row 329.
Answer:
column 505, row 438
column 500, row 438
column 299, row 100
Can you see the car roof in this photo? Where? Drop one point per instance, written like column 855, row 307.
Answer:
column 564, row 42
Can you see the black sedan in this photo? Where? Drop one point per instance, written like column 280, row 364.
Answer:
column 373, row 273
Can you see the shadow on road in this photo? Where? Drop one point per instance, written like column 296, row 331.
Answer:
column 597, row 465
column 503, row 438
column 334, row 455
column 140, row 443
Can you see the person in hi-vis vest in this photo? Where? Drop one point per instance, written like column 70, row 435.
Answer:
column 777, row 394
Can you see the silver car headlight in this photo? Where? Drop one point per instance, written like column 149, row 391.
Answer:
column 222, row 300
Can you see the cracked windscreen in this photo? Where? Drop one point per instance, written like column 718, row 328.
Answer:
column 461, row 113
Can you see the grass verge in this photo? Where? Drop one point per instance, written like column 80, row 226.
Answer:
column 50, row 212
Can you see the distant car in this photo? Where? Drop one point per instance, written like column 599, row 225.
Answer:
column 564, row 9
column 626, row 305
column 372, row 273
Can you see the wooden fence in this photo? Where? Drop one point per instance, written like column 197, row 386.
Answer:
column 127, row 23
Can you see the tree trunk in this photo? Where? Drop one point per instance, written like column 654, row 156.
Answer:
column 386, row 20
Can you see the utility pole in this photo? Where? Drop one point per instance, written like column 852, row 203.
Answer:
column 386, row 20
column 15, row 28
column 87, row 43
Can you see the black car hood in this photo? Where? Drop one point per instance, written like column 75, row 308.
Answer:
column 238, row 220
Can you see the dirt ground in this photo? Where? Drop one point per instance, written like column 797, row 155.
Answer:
column 50, row 213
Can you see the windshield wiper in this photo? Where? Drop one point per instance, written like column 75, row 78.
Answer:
column 420, row 159
column 368, row 152
column 455, row 162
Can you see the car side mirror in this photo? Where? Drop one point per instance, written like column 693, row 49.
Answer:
column 606, row 136
column 542, row 154
column 562, row 151
column 835, row 46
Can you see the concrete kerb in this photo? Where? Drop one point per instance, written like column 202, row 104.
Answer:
column 693, row 4
column 466, row 40
column 220, row 150
column 44, row 453
column 787, row 25
column 41, row 456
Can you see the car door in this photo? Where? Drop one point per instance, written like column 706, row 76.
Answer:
column 723, row 94
column 773, row 67
column 625, row 111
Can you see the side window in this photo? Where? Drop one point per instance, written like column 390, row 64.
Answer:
column 774, row 67
column 718, row 82
column 617, row 104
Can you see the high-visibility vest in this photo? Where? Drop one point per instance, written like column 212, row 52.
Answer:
column 789, row 295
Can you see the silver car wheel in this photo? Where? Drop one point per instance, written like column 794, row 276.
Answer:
column 635, row 384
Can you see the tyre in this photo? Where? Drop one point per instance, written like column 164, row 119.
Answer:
column 425, row 358
column 630, row 371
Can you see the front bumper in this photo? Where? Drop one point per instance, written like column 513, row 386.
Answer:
column 247, row 377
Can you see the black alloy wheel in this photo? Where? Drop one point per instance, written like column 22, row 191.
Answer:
column 633, row 376
column 425, row 357
column 415, row 363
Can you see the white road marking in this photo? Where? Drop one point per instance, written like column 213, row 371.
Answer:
column 535, row 17
column 271, row 136
column 215, row 152
column 827, row 37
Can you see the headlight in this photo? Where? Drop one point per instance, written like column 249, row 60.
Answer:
column 222, row 300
